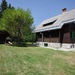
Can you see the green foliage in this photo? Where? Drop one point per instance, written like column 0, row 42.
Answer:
column 18, row 23
column 3, row 6
column 30, row 37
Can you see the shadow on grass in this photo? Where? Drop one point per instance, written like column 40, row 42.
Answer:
column 24, row 45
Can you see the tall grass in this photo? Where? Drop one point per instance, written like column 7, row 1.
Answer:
column 35, row 61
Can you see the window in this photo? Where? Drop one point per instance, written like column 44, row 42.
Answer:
column 73, row 34
column 46, row 44
column 50, row 23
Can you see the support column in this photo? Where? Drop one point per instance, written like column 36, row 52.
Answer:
column 50, row 37
column 60, row 38
column 42, row 37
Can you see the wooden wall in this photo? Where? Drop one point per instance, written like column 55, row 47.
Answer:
column 48, row 36
column 58, row 36
column 66, row 33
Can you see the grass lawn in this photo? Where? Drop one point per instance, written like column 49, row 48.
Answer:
column 35, row 61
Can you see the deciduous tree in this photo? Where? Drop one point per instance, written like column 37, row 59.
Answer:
column 18, row 23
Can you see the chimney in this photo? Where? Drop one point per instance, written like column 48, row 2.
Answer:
column 64, row 10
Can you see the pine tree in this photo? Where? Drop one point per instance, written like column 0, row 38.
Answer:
column 9, row 6
column 4, row 5
column 0, row 11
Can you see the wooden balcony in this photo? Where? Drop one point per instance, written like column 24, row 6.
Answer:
column 46, row 39
column 54, row 40
column 49, row 40
column 39, row 40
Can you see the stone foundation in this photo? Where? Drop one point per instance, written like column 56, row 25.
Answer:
column 56, row 45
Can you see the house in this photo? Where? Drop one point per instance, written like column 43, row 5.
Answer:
column 58, row 31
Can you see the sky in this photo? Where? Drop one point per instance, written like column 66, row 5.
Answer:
column 43, row 9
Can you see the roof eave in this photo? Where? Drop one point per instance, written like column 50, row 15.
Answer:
column 55, row 27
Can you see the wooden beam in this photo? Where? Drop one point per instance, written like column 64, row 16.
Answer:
column 50, row 36
column 60, row 38
column 42, row 36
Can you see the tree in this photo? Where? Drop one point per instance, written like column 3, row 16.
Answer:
column 0, row 11
column 31, row 37
column 10, row 7
column 18, row 23
column 4, row 5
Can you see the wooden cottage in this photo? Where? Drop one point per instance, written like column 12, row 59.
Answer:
column 58, row 31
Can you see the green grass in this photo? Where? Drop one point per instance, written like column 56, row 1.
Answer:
column 35, row 61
